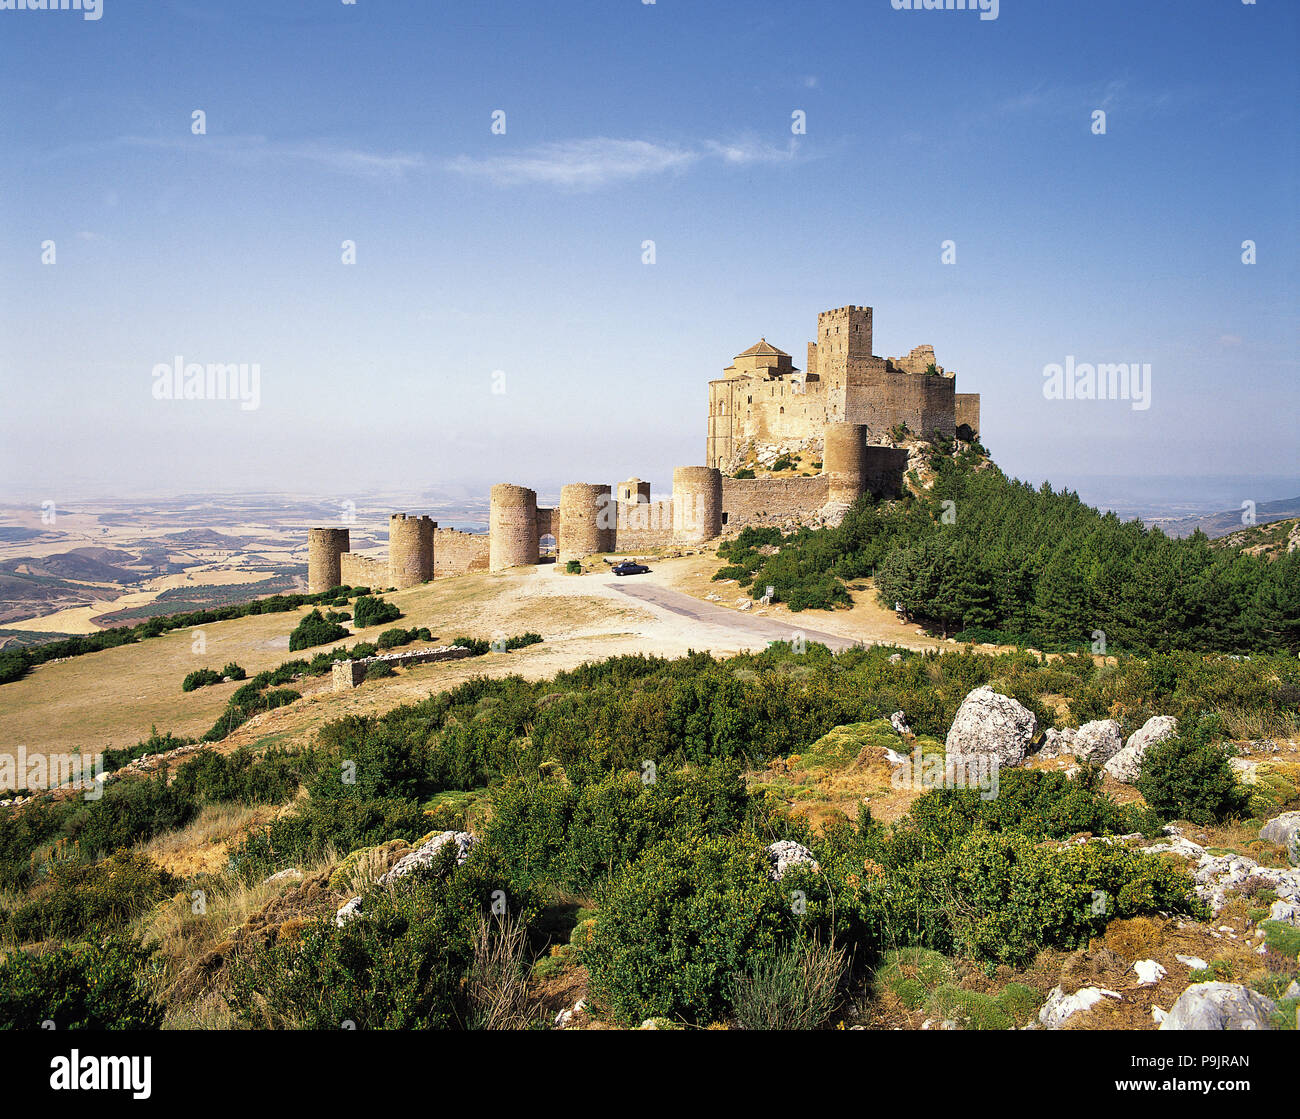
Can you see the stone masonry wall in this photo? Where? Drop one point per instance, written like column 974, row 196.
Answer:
column 364, row 571
column 457, row 553
column 346, row 675
column 646, row 524
column 761, row 501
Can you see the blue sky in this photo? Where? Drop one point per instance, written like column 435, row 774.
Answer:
column 627, row 122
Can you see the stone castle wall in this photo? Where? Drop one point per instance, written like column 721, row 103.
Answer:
column 456, row 553
column 644, row 525
column 764, row 501
column 346, row 675
column 364, row 571
column 968, row 410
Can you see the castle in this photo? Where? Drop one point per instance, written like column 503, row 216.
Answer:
column 762, row 400
column 847, row 407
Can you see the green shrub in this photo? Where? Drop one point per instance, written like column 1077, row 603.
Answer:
column 1188, row 777
column 407, row 962
column 77, row 899
column 677, row 924
column 200, row 678
column 96, row 986
column 372, row 611
column 315, row 630
column 573, row 567
column 380, row 670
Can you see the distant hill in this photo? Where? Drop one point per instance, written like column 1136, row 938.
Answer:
column 1215, row 525
column 72, row 566
column 1270, row 540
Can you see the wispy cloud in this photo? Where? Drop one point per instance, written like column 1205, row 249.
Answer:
column 602, row 161
column 581, row 164
column 751, row 150
column 259, row 150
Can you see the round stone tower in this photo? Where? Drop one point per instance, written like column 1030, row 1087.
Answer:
column 512, row 527
column 697, row 504
column 325, row 548
column 844, row 461
column 410, row 550
column 587, row 520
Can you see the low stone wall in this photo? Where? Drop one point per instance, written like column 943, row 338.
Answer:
column 363, row 571
column 349, row 674
column 765, row 501
column 456, row 553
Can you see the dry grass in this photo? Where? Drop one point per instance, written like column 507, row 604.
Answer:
column 497, row 989
column 202, row 846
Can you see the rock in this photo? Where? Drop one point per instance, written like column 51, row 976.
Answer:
column 1288, row 912
column 1148, row 972
column 895, row 658
column 1217, row 875
column 349, row 909
column 281, row 875
column 425, row 854
column 1095, row 742
column 1059, row 1006
column 785, row 853
column 1220, row 1006
column 1284, row 830
column 1126, row 765
column 1193, row 962
column 899, row 723
column 1098, row 741
column 993, row 726
column 1293, row 991
column 1158, row 1015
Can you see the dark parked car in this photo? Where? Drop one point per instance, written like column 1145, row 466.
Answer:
column 627, row 567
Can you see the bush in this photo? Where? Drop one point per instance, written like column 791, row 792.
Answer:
column 407, row 962
column 1188, row 777
column 391, row 638
column 380, row 670
column 77, row 899
column 200, row 678
column 234, row 672
column 677, row 924
column 573, row 567
column 131, row 810
column 798, row 989
column 1002, row 897
column 95, row 986
column 315, row 630
column 371, row 611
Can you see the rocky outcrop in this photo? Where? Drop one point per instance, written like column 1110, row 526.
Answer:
column 1284, row 830
column 1096, row 742
column 1126, row 765
column 425, row 854
column 1216, row 875
column 1220, row 1006
column 785, row 853
column 991, row 725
